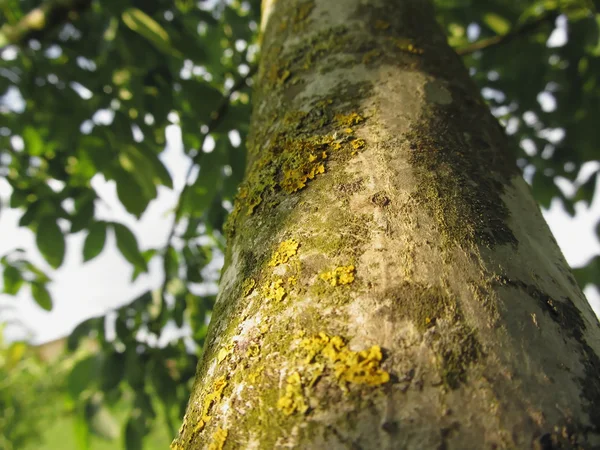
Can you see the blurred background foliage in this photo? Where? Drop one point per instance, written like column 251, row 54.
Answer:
column 88, row 89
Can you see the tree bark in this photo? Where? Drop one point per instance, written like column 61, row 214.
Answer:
column 390, row 281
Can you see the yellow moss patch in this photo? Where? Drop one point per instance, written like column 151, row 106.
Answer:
column 218, row 439
column 274, row 290
column 339, row 275
column 348, row 120
column 286, row 250
column 210, row 400
column 293, row 399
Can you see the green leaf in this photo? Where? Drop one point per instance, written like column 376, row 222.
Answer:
column 148, row 255
column 133, row 196
column 134, row 369
column 30, row 214
column 589, row 274
column 496, row 23
column 13, row 280
column 84, row 330
column 134, row 435
column 103, row 424
column 171, row 262
column 198, row 197
column 128, row 246
column 83, row 376
column 113, row 371
column 150, row 29
column 82, row 430
column 34, row 144
column 83, row 215
column 51, row 242
column 41, row 296
column 94, row 241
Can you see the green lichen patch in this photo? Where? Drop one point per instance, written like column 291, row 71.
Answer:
column 248, row 286
column 422, row 305
column 457, row 351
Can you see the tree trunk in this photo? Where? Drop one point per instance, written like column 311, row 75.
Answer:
column 390, row 281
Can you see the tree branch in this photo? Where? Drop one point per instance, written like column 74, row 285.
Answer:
column 41, row 20
column 526, row 28
column 216, row 117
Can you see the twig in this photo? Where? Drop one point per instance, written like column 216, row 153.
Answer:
column 493, row 41
column 45, row 17
column 215, row 119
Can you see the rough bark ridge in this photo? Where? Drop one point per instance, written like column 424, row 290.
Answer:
column 390, row 282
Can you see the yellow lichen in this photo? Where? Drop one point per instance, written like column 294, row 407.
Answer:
column 211, row 399
column 349, row 367
column 297, row 171
column 339, row 275
column 284, row 76
column 381, row 25
column 254, row 376
column 225, row 352
column 218, row 439
column 286, row 250
column 406, row 46
column 371, row 55
column 358, row 144
column 274, row 290
column 348, row 120
column 293, row 399
column 253, row 350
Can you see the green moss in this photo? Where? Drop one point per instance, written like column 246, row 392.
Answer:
column 297, row 154
column 461, row 178
column 456, row 346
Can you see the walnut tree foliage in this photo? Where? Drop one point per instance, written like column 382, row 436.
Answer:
column 88, row 88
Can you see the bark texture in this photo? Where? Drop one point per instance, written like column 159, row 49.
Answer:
column 390, row 282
